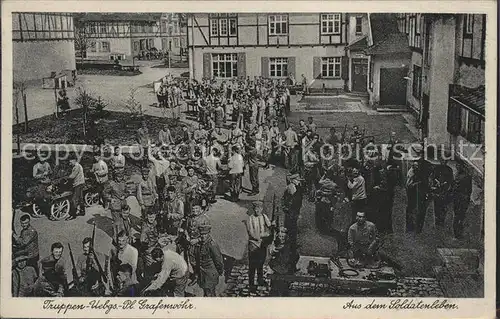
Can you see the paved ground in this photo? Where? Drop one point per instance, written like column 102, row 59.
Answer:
column 113, row 89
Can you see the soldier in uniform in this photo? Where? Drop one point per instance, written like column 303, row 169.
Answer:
column 123, row 223
column 115, row 193
column 146, row 194
column 27, row 242
column 88, row 270
column 123, row 253
column 206, row 257
column 362, row 239
column 53, row 280
column 142, row 139
column 149, row 238
column 441, row 187
column 174, row 210
column 23, row 277
column 188, row 188
column 126, row 285
column 292, row 203
column 118, row 164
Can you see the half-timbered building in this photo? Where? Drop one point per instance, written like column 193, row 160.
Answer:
column 119, row 36
column 43, row 45
column 275, row 45
column 175, row 32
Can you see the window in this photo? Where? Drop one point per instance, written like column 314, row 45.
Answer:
column 223, row 26
column 232, row 26
column 427, row 49
column 224, row 65
column 330, row 23
column 105, row 46
column 331, row 67
column 417, row 81
column 151, row 43
column 136, row 46
column 214, row 28
column 463, row 122
column 92, row 46
column 176, row 42
column 278, row 24
column 92, row 28
column 102, row 28
column 469, row 23
column 359, row 25
column 278, row 67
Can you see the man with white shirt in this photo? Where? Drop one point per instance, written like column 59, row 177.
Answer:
column 78, row 178
column 212, row 164
column 123, row 253
column 259, row 231
column 118, row 163
column 160, row 166
column 357, row 185
column 173, row 274
column 100, row 170
column 236, row 165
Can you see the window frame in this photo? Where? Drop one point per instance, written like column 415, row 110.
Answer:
column 282, row 62
column 273, row 24
column 335, row 20
column 222, row 26
column 331, row 64
column 360, row 25
column 227, row 58
column 469, row 24
column 103, row 45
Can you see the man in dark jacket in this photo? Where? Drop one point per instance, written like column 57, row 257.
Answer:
column 207, row 261
column 462, row 190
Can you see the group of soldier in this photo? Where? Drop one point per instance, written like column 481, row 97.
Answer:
column 170, row 247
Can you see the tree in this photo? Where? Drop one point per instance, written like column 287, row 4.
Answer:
column 132, row 105
column 82, row 41
column 92, row 108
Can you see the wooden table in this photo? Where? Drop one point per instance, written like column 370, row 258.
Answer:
column 358, row 282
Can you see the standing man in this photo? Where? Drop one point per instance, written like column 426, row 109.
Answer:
column 305, row 86
column 146, row 194
column 174, row 208
column 149, row 238
column 291, row 143
column 259, row 231
column 23, row 277
column 212, row 164
column 253, row 168
column 100, row 170
column 142, row 139
column 78, row 178
column 208, row 261
column 118, row 163
column 311, row 125
column 173, row 273
column 88, row 270
column 165, row 137
column 462, row 190
column 123, row 223
column 442, row 186
column 53, row 280
column 236, row 165
column 415, row 193
column 356, row 185
column 123, row 253
column 292, row 203
column 160, row 167
column 27, row 242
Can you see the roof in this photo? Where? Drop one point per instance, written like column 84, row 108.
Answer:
column 358, row 45
column 473, row 98
column 392, row 43
column 383, row 24
column 118, row 16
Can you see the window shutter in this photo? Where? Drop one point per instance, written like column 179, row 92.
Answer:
column 206, row 66
column 345, row 67
column 316, row 67
column 454, row 118
column 264, row 66
column 242, row 65
column 291, row 66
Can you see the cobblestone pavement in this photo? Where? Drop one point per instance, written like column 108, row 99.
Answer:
column 237, row 286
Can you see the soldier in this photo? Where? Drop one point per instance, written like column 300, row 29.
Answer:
column 259, row 231
column 100, row 170
column 174, row 210
column 356, row 184
column 116, row 193
column 78, row 178
column 292, row 203
column 123, row 223
column 291, row 143
column 311, row 125
column 212, row 164
column 188, row 187
column 27, row 242
column 207, row 261
column 41, row 170
column 381, row 206
column 253, row 168
column 165, row 137
column 53, row 280
column 88, row 270
column 160, row 166
column 416, row 193
column 149, row 238
column 462, row 190
column 363, row 240
column 126, row 285
column 142, row 139
column 441, row 187
column 146, row 194
column 23, row 277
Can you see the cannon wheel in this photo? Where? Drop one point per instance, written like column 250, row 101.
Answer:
column 91, row 199
column 36, row 210
column 60, row 209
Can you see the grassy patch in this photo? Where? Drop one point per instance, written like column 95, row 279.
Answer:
column 118, row 128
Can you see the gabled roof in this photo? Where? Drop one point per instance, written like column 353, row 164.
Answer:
column 473, row 98
column 358, row 45
column 118, row 16
column 392, row 43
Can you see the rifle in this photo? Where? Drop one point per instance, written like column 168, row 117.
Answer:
column 73, row 270
column 343, row 134
column 102, row 278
